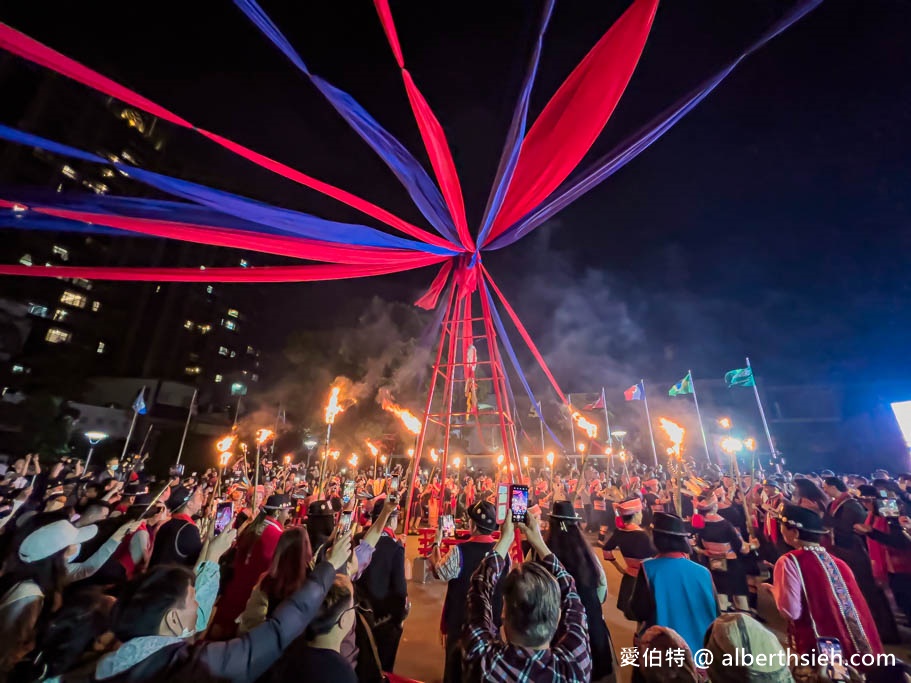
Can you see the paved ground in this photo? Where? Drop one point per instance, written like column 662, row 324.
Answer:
column 421, row 652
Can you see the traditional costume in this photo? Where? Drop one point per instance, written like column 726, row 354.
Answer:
column 634, row 545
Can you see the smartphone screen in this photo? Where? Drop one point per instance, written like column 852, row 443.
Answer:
column 448, row 525
column 394, row 484
column 518, row 503
column 347, row 492
column 835, row 665
column 223, row 514
column 344, row 522
column 502, row 502
column 888, row 507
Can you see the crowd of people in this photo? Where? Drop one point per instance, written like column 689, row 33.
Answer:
column 113, row 576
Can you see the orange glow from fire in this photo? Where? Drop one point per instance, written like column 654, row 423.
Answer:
column 374, row 451
column 412, row 424
column 587, row 426
column 263, row 435
column 675, row 433
column 226, row 443
column 333, row 408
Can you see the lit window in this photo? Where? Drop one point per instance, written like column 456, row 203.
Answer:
column 60, row 315
column 134, row 120
column 218, row 378
column 97, row 188
column 38, row 310
column 233, row 354
column 228, row 324
column 57, row 336
column 245, row 372
column 243, row 263
column 18, row 369
column 193, row 370
column 26, row 260
column 73, row 299
column 107, row 173
column 68, row 171
column 233, row 313
column 157, row 288
column 204, row 329
column 96, row 306
column 238, row 389
column 82, row 282
column 209, row 289
column 250, row 350
column 61, row 252
column 222, row 351
column 188, row 325
column 254, row 377
column 129, row 157
column 100, row 348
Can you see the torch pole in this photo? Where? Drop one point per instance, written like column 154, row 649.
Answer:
column 186, row 426
column 705, row 441
column 648, row 417
column 765, row 423
column 256, row 479
column 610, row 437
column 322, row 474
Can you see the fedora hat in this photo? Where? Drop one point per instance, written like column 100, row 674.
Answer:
column 666, row 523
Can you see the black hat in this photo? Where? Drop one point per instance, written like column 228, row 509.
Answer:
column 377, row 508
column 143, row 500
column 320, row 508
column 671, row 525
column 772, row 482
column 277, row 501
column 801, row 518
column 484, row 514
column 564, row 510
column 179, row 496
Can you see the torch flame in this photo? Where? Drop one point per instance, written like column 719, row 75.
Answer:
column 263, row 435
column 353, row 460
column 433, row 454
column 550, row 458
column 333, row 408
column 225, row 458
column 675, row 433
column 226, row 444
column 500, row 459
column 587, row 426
column 373, row 449
column 412, row 424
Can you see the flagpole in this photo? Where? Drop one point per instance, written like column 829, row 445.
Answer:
column 572, row 429
column 186, row 426
column 705, row 441
column 126, row 445
column 648, row 417
column 610, row 437
column 765, row 422
column 541, row 421
column 237, row 412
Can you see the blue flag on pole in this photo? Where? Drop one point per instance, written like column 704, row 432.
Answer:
column 139, row 404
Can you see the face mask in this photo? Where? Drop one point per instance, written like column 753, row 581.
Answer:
column 186, row 632
column 114, row 468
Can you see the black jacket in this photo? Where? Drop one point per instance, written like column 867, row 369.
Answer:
column 239, row 660
column 383, row 583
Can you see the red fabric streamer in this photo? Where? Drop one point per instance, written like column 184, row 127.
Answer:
column 575, row 115
column 30, row 49
column 202, row 274
column 430, row 298
column 524, row 333
column 295, row 247
column 431, row 133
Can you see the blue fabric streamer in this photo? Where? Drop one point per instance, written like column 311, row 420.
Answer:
column 516, row 134
column 30, row 221
column 515, row 363
column 425, row 194
column 628, row 150
column 292, row 222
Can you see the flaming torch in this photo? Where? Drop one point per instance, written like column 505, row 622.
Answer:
column 675, row 433
column 412, row 423
column 333, row 408
column 262, row 436
column 374, row 451
column 225, row 447
column 589, row 427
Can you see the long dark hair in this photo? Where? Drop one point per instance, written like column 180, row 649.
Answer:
column 72, row 631
column 290, row 565
column 569, row 545
column 249, row 536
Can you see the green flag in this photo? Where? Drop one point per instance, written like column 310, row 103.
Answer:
column 683, row 387
column 742, row 377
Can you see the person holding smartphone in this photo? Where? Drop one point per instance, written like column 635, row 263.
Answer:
column 457, row 567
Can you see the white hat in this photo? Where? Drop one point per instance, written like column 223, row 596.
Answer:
column 52, row 538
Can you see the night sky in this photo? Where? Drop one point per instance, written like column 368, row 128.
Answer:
column 773, row 221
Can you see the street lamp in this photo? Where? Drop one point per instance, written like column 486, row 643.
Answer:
column 94, row 438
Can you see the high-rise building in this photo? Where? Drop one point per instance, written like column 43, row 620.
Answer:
column 53, row 330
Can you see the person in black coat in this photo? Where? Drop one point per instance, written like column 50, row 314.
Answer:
column 382, row 587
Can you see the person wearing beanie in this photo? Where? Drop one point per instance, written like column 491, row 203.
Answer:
column 457, row 568
column 177, row 541
column 817, row 593
column 627, row 547
column 671, row 590
column 721, row 545
column 731, row 634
